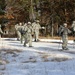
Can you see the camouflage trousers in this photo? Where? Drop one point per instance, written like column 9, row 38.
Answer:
column 28, row 39
column 65, row 41
column 18, row 35
column 36, row 36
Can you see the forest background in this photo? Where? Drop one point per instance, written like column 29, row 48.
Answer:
column 51, row 13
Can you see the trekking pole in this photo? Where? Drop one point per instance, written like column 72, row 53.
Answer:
column 73, row 40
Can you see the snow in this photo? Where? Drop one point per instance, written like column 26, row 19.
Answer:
column 44, row 58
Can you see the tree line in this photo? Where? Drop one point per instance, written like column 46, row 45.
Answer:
column 51, row 13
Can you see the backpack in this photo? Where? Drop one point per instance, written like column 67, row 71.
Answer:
column 22, row 32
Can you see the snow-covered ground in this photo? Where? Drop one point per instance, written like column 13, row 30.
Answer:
column 44, row 58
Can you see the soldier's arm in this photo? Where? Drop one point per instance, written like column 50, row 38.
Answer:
column 1, row 31
column 40, row 26
column 61, row 31
column 69, row 31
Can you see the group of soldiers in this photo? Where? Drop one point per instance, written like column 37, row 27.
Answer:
column 26, row 31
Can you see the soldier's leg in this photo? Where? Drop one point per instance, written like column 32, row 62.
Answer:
column 25, row 42
column 21, row 38
column 18, row 35
column 65, row 41
column 35, row 37
column 30, row 41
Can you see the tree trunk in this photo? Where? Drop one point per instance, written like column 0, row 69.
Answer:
column 52, row 27
column 32, row 16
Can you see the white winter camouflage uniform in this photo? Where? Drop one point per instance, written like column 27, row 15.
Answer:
column 28, row 35
column 18, row 29
column 36, row 28
column 65, row 31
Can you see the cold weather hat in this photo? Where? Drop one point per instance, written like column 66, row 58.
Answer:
column 20, row 23
column 65, row 24
column 29, row 23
